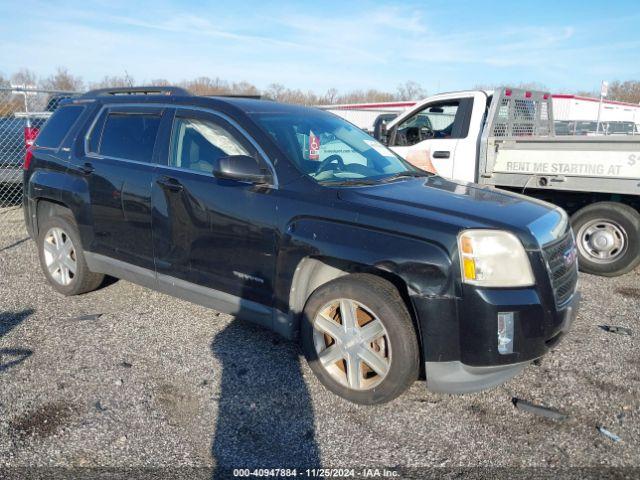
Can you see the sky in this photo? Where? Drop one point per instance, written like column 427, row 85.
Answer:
column 442, row 45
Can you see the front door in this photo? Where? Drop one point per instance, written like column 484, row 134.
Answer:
column 429, row 136
column 212, row 233
column 118, row 166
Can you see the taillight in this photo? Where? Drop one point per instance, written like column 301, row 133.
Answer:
column 507, row 92
column 527, row 94
column 30, row 134
column 28, row 156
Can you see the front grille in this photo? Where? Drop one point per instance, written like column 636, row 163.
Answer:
column 562, row 263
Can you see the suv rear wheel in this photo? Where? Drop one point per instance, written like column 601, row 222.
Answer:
column 62, row 258
column 359, row 340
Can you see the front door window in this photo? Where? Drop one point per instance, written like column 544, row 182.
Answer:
column 198, row 144
column 433, row 122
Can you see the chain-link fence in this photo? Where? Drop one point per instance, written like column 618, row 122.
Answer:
column 23, row 111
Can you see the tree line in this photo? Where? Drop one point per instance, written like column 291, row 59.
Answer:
column 62, row 79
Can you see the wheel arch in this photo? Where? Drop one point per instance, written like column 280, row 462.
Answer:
column 46, row 208
column 313, row 272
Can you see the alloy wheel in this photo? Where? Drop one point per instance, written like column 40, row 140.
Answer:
column 352, row 344
column 60, row 256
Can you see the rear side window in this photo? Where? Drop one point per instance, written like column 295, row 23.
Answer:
column 129, row 136
column 58, row 125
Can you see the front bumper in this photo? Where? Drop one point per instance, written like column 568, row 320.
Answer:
column 460, row 339
column 456, row 377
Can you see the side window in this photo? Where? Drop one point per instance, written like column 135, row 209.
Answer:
column 56, row 128
column 434, row 121
column 130, row 136
column 196, row 144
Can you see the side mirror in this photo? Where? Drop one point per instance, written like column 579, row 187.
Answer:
column 241, row 168
column 380, row 132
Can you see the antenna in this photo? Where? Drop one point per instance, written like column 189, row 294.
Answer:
column 128, row 78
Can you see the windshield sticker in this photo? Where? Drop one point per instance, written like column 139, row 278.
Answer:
column 378, row 147
column 314, row 146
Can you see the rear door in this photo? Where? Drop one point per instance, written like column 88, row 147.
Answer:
column 209, row 232
column 118, row 166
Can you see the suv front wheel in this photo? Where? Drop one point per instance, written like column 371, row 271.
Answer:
column 62, row 258
column 359, row 340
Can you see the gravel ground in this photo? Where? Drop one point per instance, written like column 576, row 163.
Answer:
column 159, row 382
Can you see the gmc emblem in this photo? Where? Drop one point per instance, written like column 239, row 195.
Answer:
column 570, row 256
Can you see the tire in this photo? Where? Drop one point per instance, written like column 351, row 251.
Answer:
column 74, row 283
column 395, row 351
column 595, row 227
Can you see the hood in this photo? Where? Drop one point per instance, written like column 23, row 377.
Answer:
column 465, row 205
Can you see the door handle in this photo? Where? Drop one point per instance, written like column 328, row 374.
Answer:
column 441, row 154
column 87, row 169
column 170, row 184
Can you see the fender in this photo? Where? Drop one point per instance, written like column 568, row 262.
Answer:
column 424, row 267
column 64, row 189
column 41, row 185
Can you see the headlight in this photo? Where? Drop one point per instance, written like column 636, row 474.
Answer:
column 493, row 258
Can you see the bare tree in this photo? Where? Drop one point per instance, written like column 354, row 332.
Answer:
column 160, row 82
column 411, row 90
column 4, row 82
column 63, row 80
column 206, row 86
column 628, row 91
column 24, row 77
column 244, row 88
column 9, row 104
column 330, row 97
column 111, row 82
column 275, row 91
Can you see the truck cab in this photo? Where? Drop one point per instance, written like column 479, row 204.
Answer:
column 447, row 126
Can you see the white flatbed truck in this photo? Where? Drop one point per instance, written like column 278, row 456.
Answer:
column 505, row 138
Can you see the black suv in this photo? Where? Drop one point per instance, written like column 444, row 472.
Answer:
column 297, row 220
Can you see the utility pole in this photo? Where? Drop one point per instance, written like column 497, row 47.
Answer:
column 604, row 88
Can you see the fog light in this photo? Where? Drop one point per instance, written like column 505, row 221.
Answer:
column 505, row 332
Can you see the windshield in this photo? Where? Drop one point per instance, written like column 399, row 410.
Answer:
column 332, row 151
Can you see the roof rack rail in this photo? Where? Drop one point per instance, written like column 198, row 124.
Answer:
column 236, row 95
column 151, row 90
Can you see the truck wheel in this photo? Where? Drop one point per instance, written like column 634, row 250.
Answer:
column 62, row 257
column 359, row 340
column 607, row 237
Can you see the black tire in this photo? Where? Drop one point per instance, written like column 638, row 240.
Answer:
column 83, row 280
column 626, row 220
column 383, row 299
